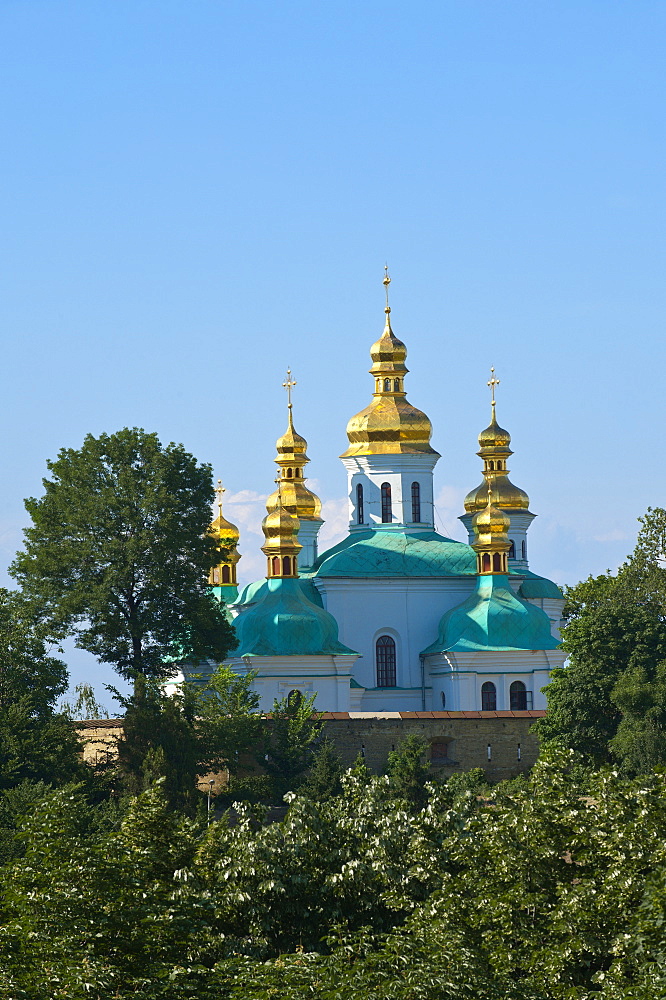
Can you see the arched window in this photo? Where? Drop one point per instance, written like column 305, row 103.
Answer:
column 294, row 698
column 488, row 697
column 512, row 551
column 276, row 565
column 416, row 503
column 387, row 385
column 485, row 562
column 497, row 562
column 518, row 697
column 387, row 515
column 443, row 700
column 385, row 652
column 396, row 385
column 491, row 466
column 523, row 546
column 286, row 565
column 290, row 473
column 226, row 575
column 359, row 504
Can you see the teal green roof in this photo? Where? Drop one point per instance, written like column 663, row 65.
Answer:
column 255, row 592
column 493, row 618
column 538, row 586
column 396, row 553
column 285, row 623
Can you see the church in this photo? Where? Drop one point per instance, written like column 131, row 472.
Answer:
column 395, row 617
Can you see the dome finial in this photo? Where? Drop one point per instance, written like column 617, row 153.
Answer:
column 491, row 384
column 220, row 490
column 227, row 536
column 386, row 282
column 288, row 384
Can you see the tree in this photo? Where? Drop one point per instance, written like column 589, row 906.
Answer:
column 324, row 777
column 408, row 771
column 37, row 742
column 119, row 550
column 289, row 742
column 609, row 700
column 85, row 705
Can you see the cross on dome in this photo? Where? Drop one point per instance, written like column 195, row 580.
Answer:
column 386, row 282
column 491, row 384
column 289, row 385
column 220, row 490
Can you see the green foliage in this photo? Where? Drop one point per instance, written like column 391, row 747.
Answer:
column 36, row 742
column 324, row 777
column 408, row 771
column 118, row 553
column 609, row 701
column 289, row 741
column 85, row 704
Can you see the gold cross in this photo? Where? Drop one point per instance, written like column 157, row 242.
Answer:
column 220, row 490
column 289, row 385
column 493, row 382
column 386, row 282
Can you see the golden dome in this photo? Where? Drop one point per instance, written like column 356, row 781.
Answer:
column 226, row 535
column 390, row 425
column 494, row 449
column 281, row 547
column 491, row 541
column 292, row 492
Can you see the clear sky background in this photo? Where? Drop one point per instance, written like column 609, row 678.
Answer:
column 195, row 195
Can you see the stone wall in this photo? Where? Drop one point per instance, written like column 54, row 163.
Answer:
column 458, row 741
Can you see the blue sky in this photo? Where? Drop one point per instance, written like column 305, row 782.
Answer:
column 196, row 195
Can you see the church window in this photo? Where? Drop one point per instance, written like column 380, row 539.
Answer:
column 439, row 751
column 359, row 504
column 294, row 698
column 385, row 651
column 216, row 576
column 276, row 565
column 491, row 466
column 523, row 546
column 286, row 565
column 289, row 473
column 518, row 697
column 488, row 697
column 497, row 562
column 387, row 515
column 485, row 562
column 512, row 551
column 396, row 385
column 443, row 700
column 387, row 385
column 416, row 503
column 226, row 576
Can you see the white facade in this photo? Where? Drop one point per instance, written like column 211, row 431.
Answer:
column 400, row 472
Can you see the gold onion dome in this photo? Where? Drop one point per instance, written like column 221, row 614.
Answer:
column 281, row 545
column 390, row 424
column 494, row 449
column 292, row 493
column 491, row 540
column 227, row 536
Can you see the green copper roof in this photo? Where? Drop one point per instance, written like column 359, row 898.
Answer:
column 396, row 553
column 493, row 618
column 285, row 623
column 539, row 586
column 255, row 592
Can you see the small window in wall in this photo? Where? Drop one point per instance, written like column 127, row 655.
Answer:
column 518, row 697
column 485, row 562
column 416, row 503
column 523, row 546
column 289, row 473
column 439, row 751
column 497, row 562
column 387, row 513
column 443, row 700
column 387, row 385
column 226, row 574
column 286, row 565
column 276, row 565
column 385, row 654
column 359, row 505
column 512, row 551
column 294, row 698
column 396, row 385
column 491, row 466
column 488, row 697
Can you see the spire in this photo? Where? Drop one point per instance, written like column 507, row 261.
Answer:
column 491, row 541
column 494, row 449
column 227, row 535
column 291, row 459
column 281, row 547
column 390, row 424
